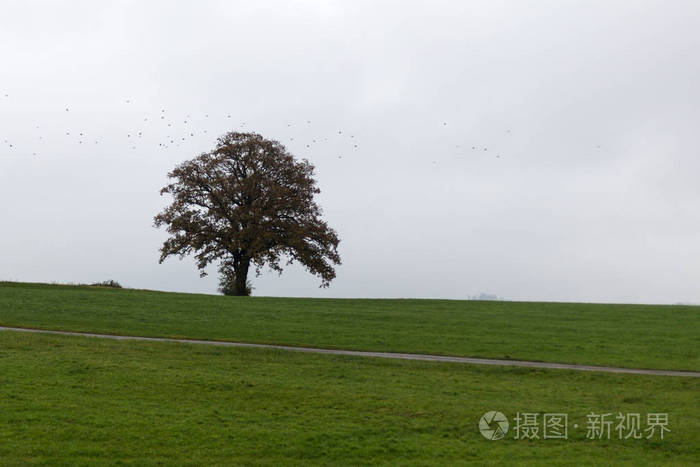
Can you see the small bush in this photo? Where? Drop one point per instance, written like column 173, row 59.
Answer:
column 109, row 283
column 227, row 286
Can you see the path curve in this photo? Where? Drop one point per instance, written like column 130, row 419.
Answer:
column 360, row 353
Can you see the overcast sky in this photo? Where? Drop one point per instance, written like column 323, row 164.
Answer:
column 584, row 116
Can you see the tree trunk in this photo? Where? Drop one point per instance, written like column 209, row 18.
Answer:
column 241, row 273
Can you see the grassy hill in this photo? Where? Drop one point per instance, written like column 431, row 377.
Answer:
column 642, row 336
column 68, row 400
column 83, row 401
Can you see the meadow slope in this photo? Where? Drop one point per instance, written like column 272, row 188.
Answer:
column 641, row 336
column 84, row 401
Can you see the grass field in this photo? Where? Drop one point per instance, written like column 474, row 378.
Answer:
column 662, row 337
column 84, row 401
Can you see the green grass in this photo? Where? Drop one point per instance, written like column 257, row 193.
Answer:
column 84, row 401
column 664, row 337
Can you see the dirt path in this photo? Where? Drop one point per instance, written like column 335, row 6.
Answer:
column 359, row 353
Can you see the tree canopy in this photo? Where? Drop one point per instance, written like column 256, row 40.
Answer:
column 247, row 202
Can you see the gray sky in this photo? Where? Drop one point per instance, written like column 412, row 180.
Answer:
column 583, row 184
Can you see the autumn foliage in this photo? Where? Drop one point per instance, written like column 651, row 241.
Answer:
column 247, row 202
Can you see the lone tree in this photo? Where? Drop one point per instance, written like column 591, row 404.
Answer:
column 247, row 202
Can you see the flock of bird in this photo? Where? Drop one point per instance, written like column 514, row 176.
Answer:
column 163, row 130
column 168, row 131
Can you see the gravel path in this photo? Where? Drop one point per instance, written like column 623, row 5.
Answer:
column 359, row 353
